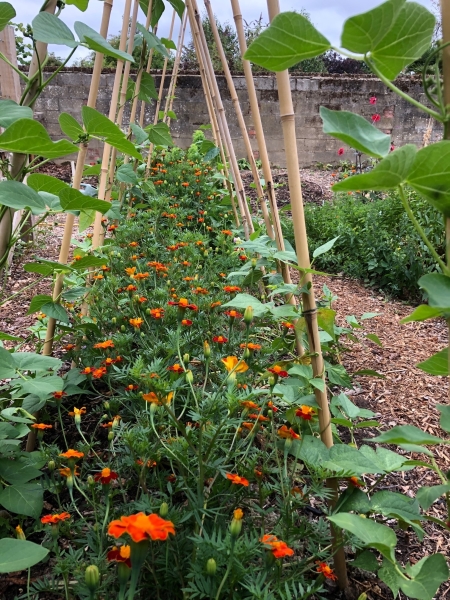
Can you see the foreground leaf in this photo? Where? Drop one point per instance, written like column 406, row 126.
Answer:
column 406, row 434
column 436, row 364
column 10, row 111
column 430, row 175
column 7, row 13
column 18, row 555
column 371, row 533
column 19, row 196
column 96, row 42
column 49, row 29
column 26, row 136
column 24, row 499
column 428, row 574
column 289, row 39
column 427, row 495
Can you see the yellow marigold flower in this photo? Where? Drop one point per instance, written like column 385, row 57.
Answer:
column 230, row 363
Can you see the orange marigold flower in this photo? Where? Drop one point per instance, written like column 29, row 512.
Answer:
column 87, row 371
column 55, row 519
column 288, row 433
column 140, row 276
column 142, row 299
column 133, row 244
column 272, row 406
column 104, row 345
column 279, row 548
column 149, row 464
column 251, row 346
column 249, row 404
column 112, row 227
column 227, row 232
column 248, row 425
column 238, row 514
column 183, row 303
column 186, row 322
column 326, row 571
column 233, row 314
column 305, row 412
column 98, row 373
column 215, row 304
column 77, row 411
column 130, row 271
column 220, row 339
column 67, row 472
column 200, row 290
column 97, row 277
column 278, row 371
column 355, row 482
column 288, row 325
column 176, row 368
column 142, row 527
column 231, row 288
column 237, row 480
column 58, row 395
column 185, row 263
column 41, row 426
column 69, row 347
column 131, row 288
column 153, row 398
column 72, row 454
column 157, row 313
column 105, row 476
column 258, row 417
column 136, row 322
column 231, row 363
column 185, row 184
column 131, row 387
column 120, row 555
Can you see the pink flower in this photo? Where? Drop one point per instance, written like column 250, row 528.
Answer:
column 392, row 147
column 341, row 151
column 373, row 100
column 375, row 118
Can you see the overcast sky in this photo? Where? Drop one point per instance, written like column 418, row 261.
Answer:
column 327, row 15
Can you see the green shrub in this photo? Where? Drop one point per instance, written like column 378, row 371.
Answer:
column 377, row 242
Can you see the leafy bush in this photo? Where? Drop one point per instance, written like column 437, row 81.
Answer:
column 377, row 242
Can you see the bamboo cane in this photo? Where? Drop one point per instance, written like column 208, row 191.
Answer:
column 223, row 124
column 240, row 118
column 214, row 117
column 445, row 11
column 112, row 116
column 81, row 159
column 176, row 66
column 309, row 303
column 216, row 131
column 161, row 91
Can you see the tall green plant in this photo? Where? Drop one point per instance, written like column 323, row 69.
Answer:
column 387, row 39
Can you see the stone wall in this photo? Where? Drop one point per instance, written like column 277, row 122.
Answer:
column 69, row 90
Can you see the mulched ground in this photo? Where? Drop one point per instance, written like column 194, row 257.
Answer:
column 405, row 396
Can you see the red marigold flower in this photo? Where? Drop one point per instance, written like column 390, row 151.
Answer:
column 87, row 370
column 220, row 339
column 341, row 151
column 183, row 304
column 105, row 476
column 233, row 314
column 375, row 118
column 373, row 100
column 112, row 227
column 272, row 406
column 237, row 480
column 131, row 387
column 305, row 412
column 131, row 288
column 142, row 299
column 176, row 368
column 215, row 304
column 58, row 395
column 55, row 519
column 288, row 433
column 120, row 555
column 186, row 322
column 142, row 527
column 326, row 571
column 104, row 345
column 231, row 288
column 279, row 371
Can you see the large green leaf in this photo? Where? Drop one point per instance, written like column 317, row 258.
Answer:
column 38, row 302
column 140, row 135
column 430, row 175
column 72, row 199
column 405, row 41
column 30, row 137
column 55, row 311
column 289, row 39
column 125, row 174
column 96, row 42
column 325, row 247
column 390, row 576
column 124, row 146
column 422, row 313
column 406, row 434
column 87, row 218
column 157, row 11
column 24, row 499
column 159, row 134
column 29, row 361
column 427, row 495
column 10, row 112
column 80, row 4
column 86, row 262
column 152, row 40
column 70, row 126
column 178, row 6
column 398, row 506
column 19, row 196
column 387, row 460
column 362, row 32
column 7, row 13
column 444, row 421
column 42, row 386
column 99, row 125
column 50, row 29
column 347, row 461
column 437, row 286
column 355, row 131
column 387, row 174
column 436, row 364
column 147, row 90
column 427, row 574
column 371, row 533
column 17, row 471
column 7, row 364
column 46, row 183
column 18, row 555
column 244, row 300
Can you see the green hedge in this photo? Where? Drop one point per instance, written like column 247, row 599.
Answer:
column 377, row 242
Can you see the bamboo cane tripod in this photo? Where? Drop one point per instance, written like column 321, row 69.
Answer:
column 176, row 69
column 308, row 300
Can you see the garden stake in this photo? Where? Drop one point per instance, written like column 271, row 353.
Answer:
column 445, row 11
column 148, row 69
column 176, row 69
column 112, row 117
column 122, row 103
column 240, row 117
column 70, row 218
column 309, row 304
column 214, row 119
column 161, row 91
column 221, row 117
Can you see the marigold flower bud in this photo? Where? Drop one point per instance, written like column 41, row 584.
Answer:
column 92, row 578
column 246, row 353
column 114, row 320
column 164, row 509
column 254, row 261
column 186, row 358
column 90, row 480
column 272, row 381
column 123, row 328
column 231, row 379
column 248, row 315
column 206, row 349
column 51, row 465
column 110, row 436
column 189, row 376
column 235, row 527
column 211, row 566
column 123, row 573
column 19, row 533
